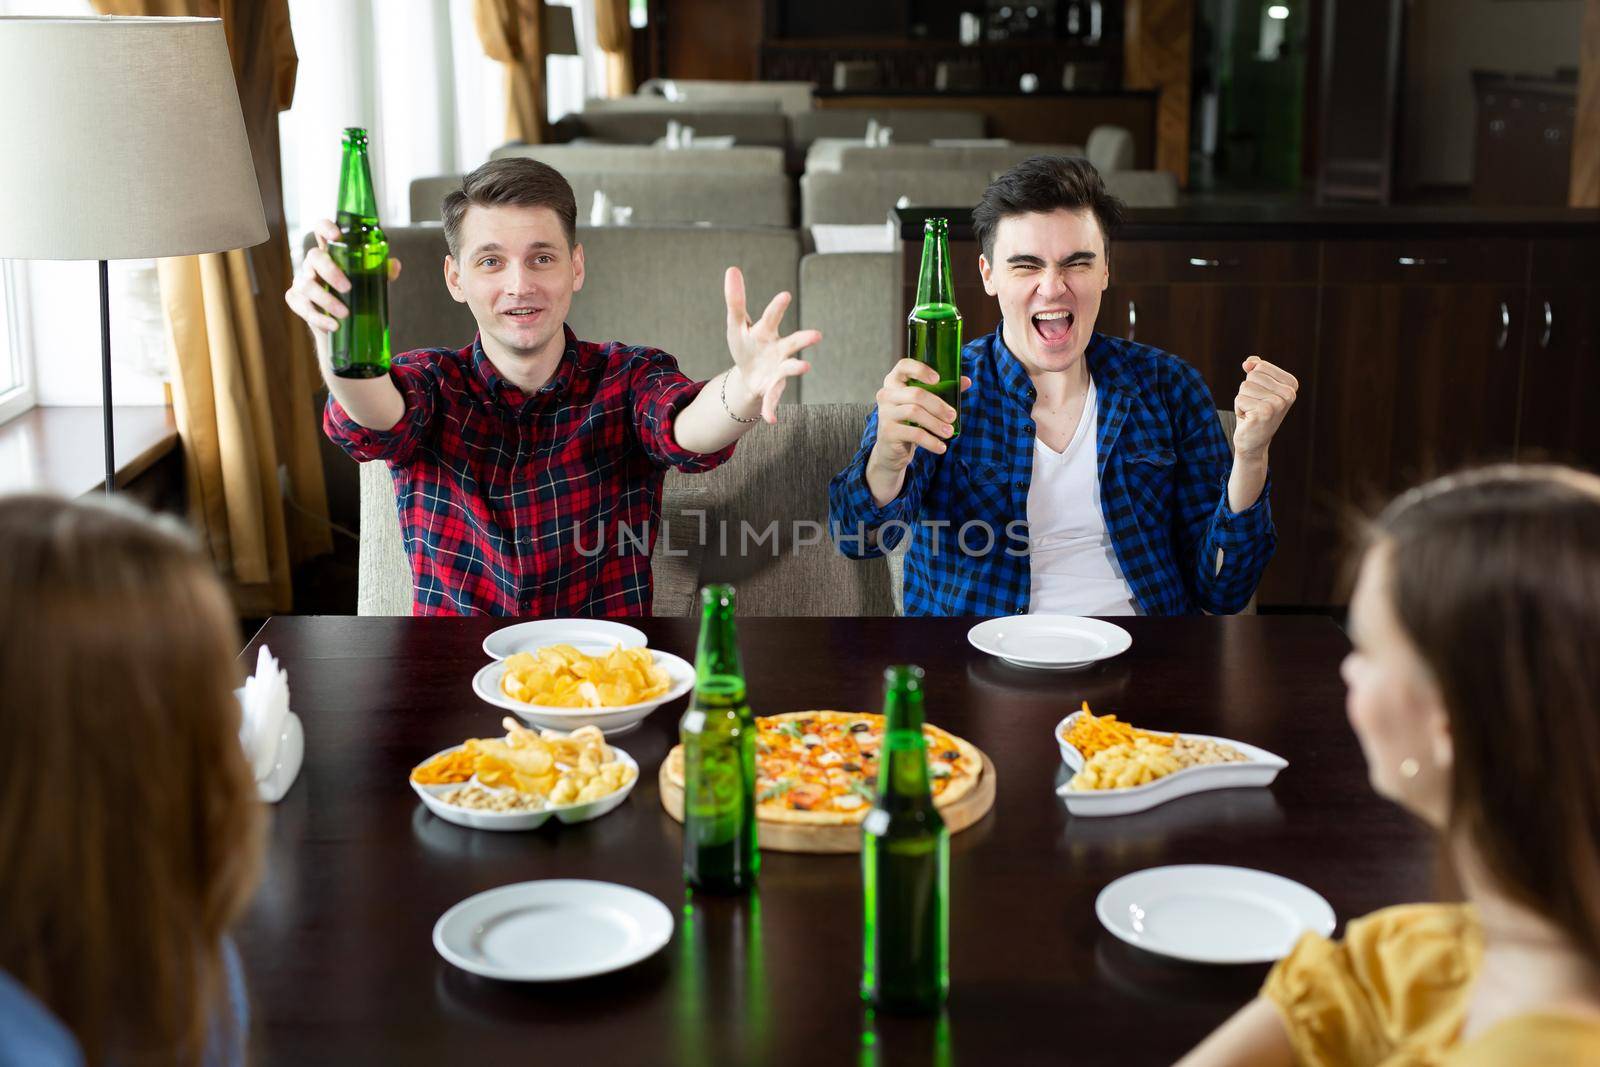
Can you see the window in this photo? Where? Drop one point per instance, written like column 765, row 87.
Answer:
column 16, row 391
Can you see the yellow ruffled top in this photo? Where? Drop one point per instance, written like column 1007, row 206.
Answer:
column 1395, row 991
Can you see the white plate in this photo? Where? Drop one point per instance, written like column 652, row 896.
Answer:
column 1210, row 914
column 486, row 683
column 591, row 636
column 552, row 931
column 1050, row 642
column 520, row 820
column 1260, row 769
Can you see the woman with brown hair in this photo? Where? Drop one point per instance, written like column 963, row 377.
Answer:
column 130, row 828
column 1474, row 687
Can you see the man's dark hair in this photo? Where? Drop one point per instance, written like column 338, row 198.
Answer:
column 522, row 182
column 1044, row 184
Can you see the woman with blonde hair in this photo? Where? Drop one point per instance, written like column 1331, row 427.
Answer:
column 1474, row 688
column 130, row 828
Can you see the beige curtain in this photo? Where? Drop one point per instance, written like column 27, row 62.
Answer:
column 246, row 374
column 512, row 34
column 615, row 37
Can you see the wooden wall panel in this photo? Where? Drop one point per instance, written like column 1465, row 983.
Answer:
column 1157, row 51
column 1585, row 190
column 712, row 38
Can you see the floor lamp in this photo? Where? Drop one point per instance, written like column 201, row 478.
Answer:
column 121, row 138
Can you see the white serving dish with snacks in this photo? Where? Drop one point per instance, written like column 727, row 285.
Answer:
column 486, row 683
column 1259, row 768
column 476, row 819
column 594, row 636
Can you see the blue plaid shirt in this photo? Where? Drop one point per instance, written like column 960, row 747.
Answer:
column 1163, row 467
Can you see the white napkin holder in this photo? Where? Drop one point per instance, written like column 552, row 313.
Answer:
column 272, row 735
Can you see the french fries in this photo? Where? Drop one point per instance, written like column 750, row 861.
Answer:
column 1092, row 734
column 1117, row 755
column 560, row 676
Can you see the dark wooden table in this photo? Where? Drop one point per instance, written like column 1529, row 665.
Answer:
column 338, row 944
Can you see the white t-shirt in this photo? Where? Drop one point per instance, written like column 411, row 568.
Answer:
column 1074, row 569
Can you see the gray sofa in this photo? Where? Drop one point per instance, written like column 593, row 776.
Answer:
column 868, row 196
column 672, row 197
column 910, row 125
column 647, row 127
column 851, row 298
column 833, row 155
column 791, row 97
column 771, row 499
column 611, row 158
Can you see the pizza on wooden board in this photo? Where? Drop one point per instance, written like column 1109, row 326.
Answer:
column 820, row 768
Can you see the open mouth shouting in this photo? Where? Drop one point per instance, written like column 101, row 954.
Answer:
column 1054, row 326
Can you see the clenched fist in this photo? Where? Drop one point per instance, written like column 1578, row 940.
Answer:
column 1265, row 396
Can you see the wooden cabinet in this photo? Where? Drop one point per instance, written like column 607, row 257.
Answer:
column 1215, row 303
column 1560, row 388
column 1420, row 357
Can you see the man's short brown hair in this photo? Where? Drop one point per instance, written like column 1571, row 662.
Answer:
column 1044, row 184
column 521, row 182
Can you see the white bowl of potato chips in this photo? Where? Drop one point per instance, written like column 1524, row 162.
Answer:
column 521, row 781
column 562, row 687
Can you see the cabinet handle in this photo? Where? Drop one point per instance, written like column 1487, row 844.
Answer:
column 1505, row 326
column 1423, row 261
column 1549, row 324
column 1133, row 319
column 1196, row 261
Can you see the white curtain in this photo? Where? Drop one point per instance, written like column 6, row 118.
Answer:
column 414, row 74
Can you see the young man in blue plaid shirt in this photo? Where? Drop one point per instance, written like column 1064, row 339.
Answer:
column 1091, row 475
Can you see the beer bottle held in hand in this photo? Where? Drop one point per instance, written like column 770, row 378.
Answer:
column 361, row 343
column 905, row 866
column 718, row 733
column 933, row 331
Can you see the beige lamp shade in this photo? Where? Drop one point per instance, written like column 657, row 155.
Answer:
column 122, row 138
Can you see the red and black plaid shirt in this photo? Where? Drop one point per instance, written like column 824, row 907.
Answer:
column 512, row 504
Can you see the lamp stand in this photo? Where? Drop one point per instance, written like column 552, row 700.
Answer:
column 105, row 374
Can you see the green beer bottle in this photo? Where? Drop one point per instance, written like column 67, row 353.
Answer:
column 933, row 331
column 718, row 733
column 905, row 866
column 361, row 343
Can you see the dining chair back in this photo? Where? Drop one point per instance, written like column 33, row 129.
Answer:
column 845, row 294
column 860, row 197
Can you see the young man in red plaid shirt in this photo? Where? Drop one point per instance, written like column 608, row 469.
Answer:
column 528, row 466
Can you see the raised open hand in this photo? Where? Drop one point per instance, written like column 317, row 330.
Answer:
column 765, row 360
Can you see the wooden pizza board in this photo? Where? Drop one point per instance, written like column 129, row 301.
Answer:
column 780, row 838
